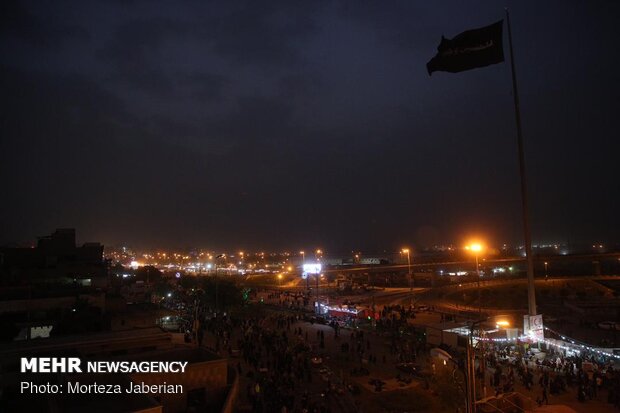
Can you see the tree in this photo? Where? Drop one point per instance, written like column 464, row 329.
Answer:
column 228, row 293
column 148, row 273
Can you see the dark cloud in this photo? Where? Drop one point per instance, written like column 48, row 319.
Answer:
column 263, row 33
column 135, row 54
column 203, row 87
column 42, row 30
column 270, row 125
column 300, row 86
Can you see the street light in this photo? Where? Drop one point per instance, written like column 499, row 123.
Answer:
column 500, row 322
column 476, row 249
column 470, row 393
column 406, row 251
column 317, row 275
column 303, row 261
column 470, row 368
column 546, row 273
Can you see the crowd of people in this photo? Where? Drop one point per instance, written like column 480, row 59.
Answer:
column 276, row 362
column 276, row 359
column 555, row 374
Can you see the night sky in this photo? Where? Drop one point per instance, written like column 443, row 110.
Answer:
column 287, row 125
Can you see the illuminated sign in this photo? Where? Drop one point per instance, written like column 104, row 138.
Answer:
column 312, row 268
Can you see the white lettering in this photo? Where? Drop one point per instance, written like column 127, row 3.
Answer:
column 183, row 365
column 44, row 365
column 29, row 365
column 74, row 365
column 33, row 388
column 51, row 365
column 137, row 367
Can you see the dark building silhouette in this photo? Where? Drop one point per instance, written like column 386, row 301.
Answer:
column 55, row 286
column 56, row 259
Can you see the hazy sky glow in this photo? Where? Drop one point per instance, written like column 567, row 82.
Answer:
column 274, row 125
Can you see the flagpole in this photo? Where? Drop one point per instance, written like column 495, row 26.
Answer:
column 531, row 295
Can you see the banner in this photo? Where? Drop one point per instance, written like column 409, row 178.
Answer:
column 537, row 330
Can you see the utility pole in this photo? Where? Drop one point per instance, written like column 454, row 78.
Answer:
column 411, row 280
column 217, row 297
column 531, row 294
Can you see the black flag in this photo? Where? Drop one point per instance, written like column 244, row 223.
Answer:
column 469, row 50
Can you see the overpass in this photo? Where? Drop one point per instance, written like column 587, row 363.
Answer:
column 538, row 259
